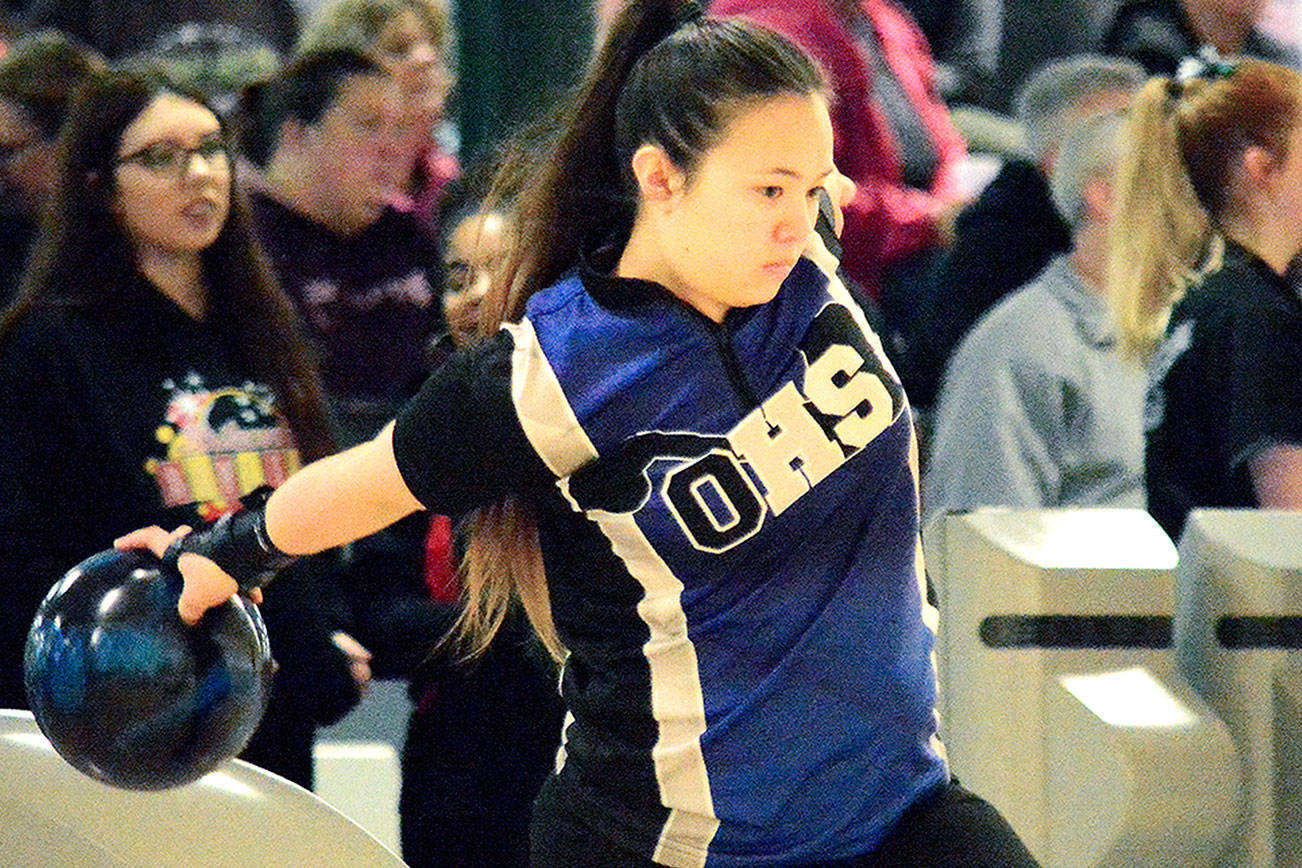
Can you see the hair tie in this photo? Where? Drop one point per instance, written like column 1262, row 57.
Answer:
column 1207, row 65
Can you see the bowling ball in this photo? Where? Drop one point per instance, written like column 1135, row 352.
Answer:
column 125, row 691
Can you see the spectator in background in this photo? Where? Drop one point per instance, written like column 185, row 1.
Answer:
column 413, row 39
column 38, row 77
column 1159, row 33
column 477, row 241
column 151, row 372
column 119, row 28
column 324, row 133
column 964, row 36
column 1216, row 156
column 1009, row 234
column 893, row 134
column 1038, row 409
column 483, row 734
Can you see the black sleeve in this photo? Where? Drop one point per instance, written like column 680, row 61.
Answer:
column 1264, row 380
column 459, row 443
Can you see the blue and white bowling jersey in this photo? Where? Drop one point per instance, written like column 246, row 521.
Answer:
column 728, row 517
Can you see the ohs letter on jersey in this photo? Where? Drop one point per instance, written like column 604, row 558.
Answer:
column 724, row 487
column 786, row 446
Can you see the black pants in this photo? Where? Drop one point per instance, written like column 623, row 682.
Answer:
column 948, row 827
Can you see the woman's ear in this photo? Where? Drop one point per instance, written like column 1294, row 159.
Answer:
column 659, row 181
column 1257, row 164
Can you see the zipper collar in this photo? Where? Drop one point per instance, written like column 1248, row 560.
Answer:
column 596, row 269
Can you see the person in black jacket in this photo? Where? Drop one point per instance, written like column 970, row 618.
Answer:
column 1208, row 220
column 151, row 370
column 324, row 131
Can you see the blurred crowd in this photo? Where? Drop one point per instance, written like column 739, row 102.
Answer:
column 236, row 236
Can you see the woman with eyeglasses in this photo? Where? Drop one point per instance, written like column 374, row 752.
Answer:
column 151, row 370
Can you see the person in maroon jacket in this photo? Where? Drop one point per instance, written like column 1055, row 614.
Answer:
column 894, row 137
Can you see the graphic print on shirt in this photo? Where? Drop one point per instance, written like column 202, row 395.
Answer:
column 1170, row 351
column 218, row 444
column 330, row 307
column 722, row 488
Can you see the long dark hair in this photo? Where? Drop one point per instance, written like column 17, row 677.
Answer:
column 302, row 91
column 666, row 76
column 82, row 257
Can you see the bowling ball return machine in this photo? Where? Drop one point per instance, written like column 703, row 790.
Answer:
column 237, row 816
column 1238, row 640
column 1061, row 700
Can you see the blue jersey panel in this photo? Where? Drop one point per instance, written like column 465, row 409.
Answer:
column 753, row 479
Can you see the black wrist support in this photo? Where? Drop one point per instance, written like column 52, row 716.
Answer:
column 238, row 543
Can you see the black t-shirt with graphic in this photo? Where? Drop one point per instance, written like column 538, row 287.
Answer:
column 1225, row 383
column 369, row 300
column 117, row 417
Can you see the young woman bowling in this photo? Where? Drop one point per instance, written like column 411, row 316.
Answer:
column 696, row 470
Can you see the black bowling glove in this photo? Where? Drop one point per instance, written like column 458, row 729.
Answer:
column 238, row 543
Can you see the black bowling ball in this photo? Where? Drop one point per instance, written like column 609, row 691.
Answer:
column 130, row 695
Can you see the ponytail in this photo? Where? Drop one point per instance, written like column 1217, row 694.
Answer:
column 668, row 76
column 572, row 188
column 1178, row 187
column 1159, row 233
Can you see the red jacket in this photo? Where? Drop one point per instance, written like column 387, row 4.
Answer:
column 887, row 221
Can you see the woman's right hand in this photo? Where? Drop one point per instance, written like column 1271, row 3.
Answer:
column 205, row 584
column 840, row 190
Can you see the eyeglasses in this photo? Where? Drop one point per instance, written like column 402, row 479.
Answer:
column 173, row 160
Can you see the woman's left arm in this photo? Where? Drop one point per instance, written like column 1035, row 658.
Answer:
column 1277, row 476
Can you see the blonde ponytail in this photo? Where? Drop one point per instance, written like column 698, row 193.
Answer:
column 1160, row 237
column 1178, row 188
